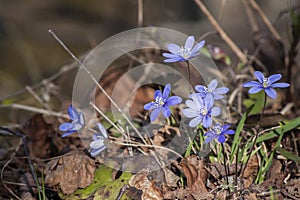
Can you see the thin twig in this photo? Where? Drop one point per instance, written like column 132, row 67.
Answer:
column 222, row 33
column 251, row 17
column 35, row 110
column 97, row 83
column 265, row 19
column 148, row 145
column 140, row 13
column 36, row 96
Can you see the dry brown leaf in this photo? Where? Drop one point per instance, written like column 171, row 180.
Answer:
column 293, row 187
column 274, row 176
column 141, row 182
column 70, row 171
column 39, row 136
column 250, row 171
column 196, row 174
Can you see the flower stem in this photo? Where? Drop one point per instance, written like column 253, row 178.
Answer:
column 225, row 165
column 189, row 71
column 255, row 137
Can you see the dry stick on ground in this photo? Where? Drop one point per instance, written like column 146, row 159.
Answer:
column 35, row 110
column 265, row 19
column 222, row 33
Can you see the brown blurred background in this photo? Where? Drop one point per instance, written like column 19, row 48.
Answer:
column 28, row 53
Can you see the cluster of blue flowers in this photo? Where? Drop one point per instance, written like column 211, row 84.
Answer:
column 200, row 105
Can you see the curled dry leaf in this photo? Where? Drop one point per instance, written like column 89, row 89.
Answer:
column 196, row 174
column 141, row 182
column 70, row 171
column 250, row 171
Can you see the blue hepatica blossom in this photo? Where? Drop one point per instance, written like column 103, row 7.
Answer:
column 76, row 124
column 98, row 143
column 266, row 84
column 201, row 110
column 178, row 54
column 218, row 131
column 211, row 88
column 161, row 103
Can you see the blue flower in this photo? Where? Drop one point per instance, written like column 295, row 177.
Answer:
column 161, row 103
column 201, row 110
column 218, row 131
column 217, row 93
column 76, row 124
column 178, row 54
column 266, row 84
column 98, row 143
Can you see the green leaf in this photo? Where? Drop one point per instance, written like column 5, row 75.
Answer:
column 236, row 141
column 103, row 186
column 256, row 100
column 283, row 129
column 288, row 154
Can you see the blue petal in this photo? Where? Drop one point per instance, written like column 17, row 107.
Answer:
column 166, row 111
column 189, row 43
column 190, row 113
column 215, row 111
column 76, row 125
column 150, row 106
column 81, row 119
column 96, row 144
column 260, row 77
column 274, row 78
column 213, row 84
column 174, row 100
column 210, row 136
column 173, row 48
column 191, row 104
column 197, row 100
column 157, row 94
column 154, row 114
column 72, row 113
column 68, row 133
column 168, row 55
column 280, row 85
column 177, row 59
column 225, row 127
column 102, row 129
column 252, row 84
column 166, row 91
column 65, row 126
column 206, row 121
column 201, row 89
column 95, row 152
column 221, row 138
column 218, row 97
column 271, row 92
column 194, row 122
column 221, row 90
column 229, row 132
column 96, row 136
column 255, row 90
column 197, row 47
column 208, row 101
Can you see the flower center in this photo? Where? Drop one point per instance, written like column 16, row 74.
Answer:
column 203, row 111
column 185, row 53
column 159, row 101
column 218, row 129
column 265, row 83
